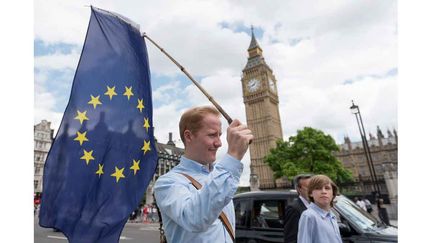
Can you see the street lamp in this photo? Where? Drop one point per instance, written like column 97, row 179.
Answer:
column 356, row 111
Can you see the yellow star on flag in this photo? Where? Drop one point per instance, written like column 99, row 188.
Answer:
column 146, row 147
column 81, row 137
column 118, row 174
column 110, row 92
column 140, row 105
column 146, row 124
column 135, row 167
column 128, row 92
column 81, row 116
column 94, row 101
column 100, row 170
column 87, row 156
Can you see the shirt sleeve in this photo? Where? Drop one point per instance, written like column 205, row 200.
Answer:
column 306, row 228
column 195, row 210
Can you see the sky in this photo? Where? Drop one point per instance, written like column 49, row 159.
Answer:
column 323, row 54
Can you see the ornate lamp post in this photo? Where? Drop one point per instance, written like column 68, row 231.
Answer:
column 356, row 111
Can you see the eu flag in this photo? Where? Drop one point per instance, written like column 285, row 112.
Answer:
column 104, row 154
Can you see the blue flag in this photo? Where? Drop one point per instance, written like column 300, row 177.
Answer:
column 104, row 155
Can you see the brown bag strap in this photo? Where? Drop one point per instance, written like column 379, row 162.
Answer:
column 162, row 237
column 222, row 216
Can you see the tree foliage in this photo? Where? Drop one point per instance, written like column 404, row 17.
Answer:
column 310, row 151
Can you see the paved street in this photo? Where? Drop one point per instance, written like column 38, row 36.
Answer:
column 132, row 233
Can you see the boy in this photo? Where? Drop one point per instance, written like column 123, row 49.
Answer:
column 318, row 224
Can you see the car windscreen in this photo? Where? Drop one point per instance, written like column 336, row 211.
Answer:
column 357, row 216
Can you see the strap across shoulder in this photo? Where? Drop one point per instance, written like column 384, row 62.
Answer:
column 222, row 216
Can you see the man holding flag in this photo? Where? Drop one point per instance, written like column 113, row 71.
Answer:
column 104, row 154
column 195, row 197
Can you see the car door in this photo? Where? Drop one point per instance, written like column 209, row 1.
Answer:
column 242, row 209
column 266, row 221
column 354, row 237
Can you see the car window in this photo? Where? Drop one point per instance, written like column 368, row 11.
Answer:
column 241, row 207
column 357, row 216
column 268, row 213
column 338, row 217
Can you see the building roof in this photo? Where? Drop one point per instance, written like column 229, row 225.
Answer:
column 372, row 141
column 169, row 149
column 253, row 43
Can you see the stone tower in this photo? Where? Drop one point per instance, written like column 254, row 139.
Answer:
column 261, row 101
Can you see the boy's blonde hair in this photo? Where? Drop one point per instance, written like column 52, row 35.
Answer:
column 317, row 182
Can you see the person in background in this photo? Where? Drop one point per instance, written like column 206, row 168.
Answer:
column 151, row 213
column 137, row 215
column 368, row 205
column 294, row 210
column 145, row 213
column 360, row 203
column 382, row 211
column 318, row 224
column 154, row 217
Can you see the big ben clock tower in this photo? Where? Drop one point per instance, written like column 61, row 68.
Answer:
column 262, row 114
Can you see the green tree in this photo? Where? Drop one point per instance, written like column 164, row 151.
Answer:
column 310, row 151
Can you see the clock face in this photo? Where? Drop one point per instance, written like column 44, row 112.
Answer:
column 273, row 85
column 253, row 85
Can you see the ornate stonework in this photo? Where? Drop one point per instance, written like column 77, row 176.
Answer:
column 262, row 113
column 43, row 138
column 384, row 156
column 168, row 157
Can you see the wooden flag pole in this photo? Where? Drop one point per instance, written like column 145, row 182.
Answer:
column 218, row 107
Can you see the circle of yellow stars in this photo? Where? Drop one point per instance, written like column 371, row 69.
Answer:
column 81, row 137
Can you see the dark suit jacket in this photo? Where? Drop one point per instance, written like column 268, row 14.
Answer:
column 291, row 220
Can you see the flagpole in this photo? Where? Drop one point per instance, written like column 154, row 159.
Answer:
column 218, row 107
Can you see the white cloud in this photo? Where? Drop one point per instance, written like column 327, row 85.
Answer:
column 50, row 93
column 166, row 93
column 44, row 106
column 313, row 47
column 61, row 21
column 58, row 61
column 165, row 120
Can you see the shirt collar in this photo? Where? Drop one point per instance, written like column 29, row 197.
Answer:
column 305, row 202
column 195, row 166
column 321, row 212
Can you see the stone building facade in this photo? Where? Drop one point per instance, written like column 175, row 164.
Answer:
column 168, row 157
column 260, row 96
column 384, row 152
column 43, row 138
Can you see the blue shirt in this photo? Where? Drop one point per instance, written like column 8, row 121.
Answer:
column 318, row 226
column 191, row 215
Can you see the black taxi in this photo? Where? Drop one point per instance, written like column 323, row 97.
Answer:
column 259, row 218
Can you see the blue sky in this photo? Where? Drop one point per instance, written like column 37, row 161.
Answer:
column 323, row 57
